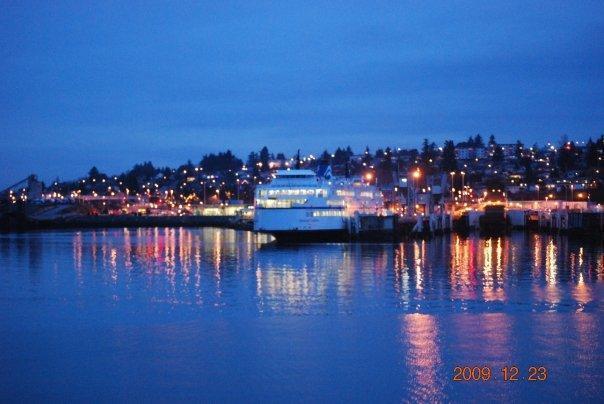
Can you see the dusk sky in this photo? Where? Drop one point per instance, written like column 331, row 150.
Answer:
column 115, row 83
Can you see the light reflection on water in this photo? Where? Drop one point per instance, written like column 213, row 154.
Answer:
column 338, row 315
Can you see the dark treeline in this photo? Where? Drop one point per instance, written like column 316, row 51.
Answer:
column 225, row 175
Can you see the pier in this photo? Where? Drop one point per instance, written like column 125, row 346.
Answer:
column 575, row 219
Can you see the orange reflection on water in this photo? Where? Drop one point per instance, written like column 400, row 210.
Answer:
column 176, row 255
column 582, row 293
column 537, row 255
column 492, row 270
column 463, row 277
column 551, row 264
column 401, row 273
column 77, row 251
column 178, row 262
column 420, row 339
column 419, row 263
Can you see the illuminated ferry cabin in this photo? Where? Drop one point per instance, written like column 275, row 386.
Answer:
column 299, row 203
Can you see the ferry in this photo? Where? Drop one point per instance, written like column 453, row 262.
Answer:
column 299, row 205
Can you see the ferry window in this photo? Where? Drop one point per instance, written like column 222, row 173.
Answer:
column 279, row 203
column 321, row 193
column 330, row 212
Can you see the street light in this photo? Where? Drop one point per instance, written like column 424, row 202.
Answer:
column 452, row 177
column 416, row 174
column 463, row 189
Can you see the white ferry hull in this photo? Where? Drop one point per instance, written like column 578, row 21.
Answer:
column 303, row 219
column 311, row 236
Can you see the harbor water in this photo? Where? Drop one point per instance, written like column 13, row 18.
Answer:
column 174, row 314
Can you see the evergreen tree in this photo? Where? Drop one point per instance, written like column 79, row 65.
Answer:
column 478, row 142
column 448, row 162
column 367, row 156
column 529, row 172
column 341, row 156
column 492, row 141
column 386, row 167
column 594, row 152
column 519, row 149
column 567, row 157
column 94, row 172
column 349, row 152
column 325, row 156
column 221, row 162
column 144, row 170
column 264, row 158
column 166, row 172
column 428, row 154
column 252, row 160
column 131, row 182
column 497, row 155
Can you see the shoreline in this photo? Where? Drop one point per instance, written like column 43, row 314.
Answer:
column 107, row 222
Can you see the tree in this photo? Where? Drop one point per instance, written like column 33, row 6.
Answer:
column 428, row 154
column 519, row 149
column 478, row 142
column 529, row 172
column 593, row 152
column 492, row 142
column 341, row 156
column 221, row 162
column 367, row 156
column 497, row 155
column 131, row 182
column 144, row 170
column 166, row 172
column 264, row 158
column 187, row 169
column 252, row 159
column 567, row 157
column 386, row 168
column 325, row 157
column 94, row 172
column 448, row 162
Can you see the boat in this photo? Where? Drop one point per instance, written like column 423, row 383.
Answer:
column 300, row 206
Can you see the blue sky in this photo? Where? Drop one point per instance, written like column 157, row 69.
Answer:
column 113, row 83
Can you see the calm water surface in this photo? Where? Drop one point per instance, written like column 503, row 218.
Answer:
column 221, row 315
